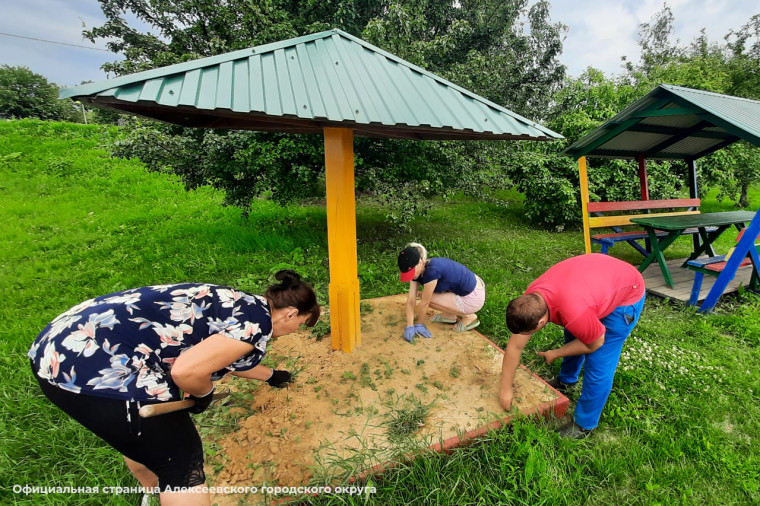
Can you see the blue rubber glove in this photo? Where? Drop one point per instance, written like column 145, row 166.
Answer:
column 422, row 330
column 409, row 333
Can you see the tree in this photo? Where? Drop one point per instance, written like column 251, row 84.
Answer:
column 744, row 47
column 24, row 94
column 731, row 68
column 505, row 50
column 654, row 41
column 733, row 170
column 550, row 182
column 190, row 29
column 549, row 179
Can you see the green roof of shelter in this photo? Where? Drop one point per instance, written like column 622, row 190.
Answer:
column 301, row 85
column 676, row 123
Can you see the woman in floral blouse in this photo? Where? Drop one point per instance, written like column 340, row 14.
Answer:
column 104, row 358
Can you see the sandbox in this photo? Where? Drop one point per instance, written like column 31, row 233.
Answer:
column 348, row 414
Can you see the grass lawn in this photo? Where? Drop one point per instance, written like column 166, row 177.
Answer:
column 681, row 425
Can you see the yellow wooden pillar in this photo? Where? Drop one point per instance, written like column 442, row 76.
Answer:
column 341, row 237
column 583, row 176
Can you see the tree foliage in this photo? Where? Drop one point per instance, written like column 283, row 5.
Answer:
column 25, row 94
column 507, row 51
column 744, row 47
column 550, row 183
column 730, row 68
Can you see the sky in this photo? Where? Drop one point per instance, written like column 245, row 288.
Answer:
column 600, row 32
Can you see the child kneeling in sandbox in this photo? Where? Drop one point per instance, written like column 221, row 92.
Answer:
column 448, row 287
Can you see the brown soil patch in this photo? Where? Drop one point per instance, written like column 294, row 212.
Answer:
column 333, row 420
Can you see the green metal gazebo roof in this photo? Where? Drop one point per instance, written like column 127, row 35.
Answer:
column 301, row 85
column 676, row 123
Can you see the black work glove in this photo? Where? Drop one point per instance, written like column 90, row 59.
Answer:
column 279, row 378
column 201, row 403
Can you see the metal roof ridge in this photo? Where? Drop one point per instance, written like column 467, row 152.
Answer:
column 675, row 88
column 709, row 109
column 427, row 73
column 189, row 66
column 615, row 120
column 184, row 67
column 729, row 113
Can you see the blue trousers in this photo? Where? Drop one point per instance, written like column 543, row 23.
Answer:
column 600, row 366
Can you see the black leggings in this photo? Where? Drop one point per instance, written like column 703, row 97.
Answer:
column 168, row 445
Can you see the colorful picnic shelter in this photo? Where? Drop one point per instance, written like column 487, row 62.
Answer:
column 329, row 83
column 669, row 123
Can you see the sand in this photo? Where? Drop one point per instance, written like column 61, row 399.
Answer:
column 333, row 420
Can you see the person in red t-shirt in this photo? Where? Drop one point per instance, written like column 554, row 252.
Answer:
column 598, row 300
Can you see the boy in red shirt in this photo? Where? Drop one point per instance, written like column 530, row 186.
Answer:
column 598, row 300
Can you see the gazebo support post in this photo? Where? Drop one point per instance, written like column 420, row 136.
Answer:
column 583, row 179
column 691, row 168
column 643, row 177
column 345, row 322
column 644, row 182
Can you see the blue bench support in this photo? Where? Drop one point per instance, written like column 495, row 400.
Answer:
column 696, row 288
column 745, row 247
column 710, row 265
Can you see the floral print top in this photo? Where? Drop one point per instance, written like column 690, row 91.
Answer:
column 123, row 345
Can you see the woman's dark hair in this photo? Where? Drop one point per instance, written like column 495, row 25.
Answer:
column 292, row 292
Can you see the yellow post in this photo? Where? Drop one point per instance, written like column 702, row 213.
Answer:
column 584, row 201
column 341, row 239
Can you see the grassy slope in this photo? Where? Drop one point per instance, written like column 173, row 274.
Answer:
column 681, row 424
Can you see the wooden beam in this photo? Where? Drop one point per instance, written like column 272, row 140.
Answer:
column 635, row 205
column 691, row 167
column 633, row 155
column 669, row 130
column 345, row 321
column 746, row 246
column 643, row 177
column 622, row 220
column 673, row 111
column 613, row 130
column 583, row 177
column 683, row 134
column 717, row 121
column 717, row 147
column 258, row 121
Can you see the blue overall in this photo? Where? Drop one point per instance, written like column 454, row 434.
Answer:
column 600, row 365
